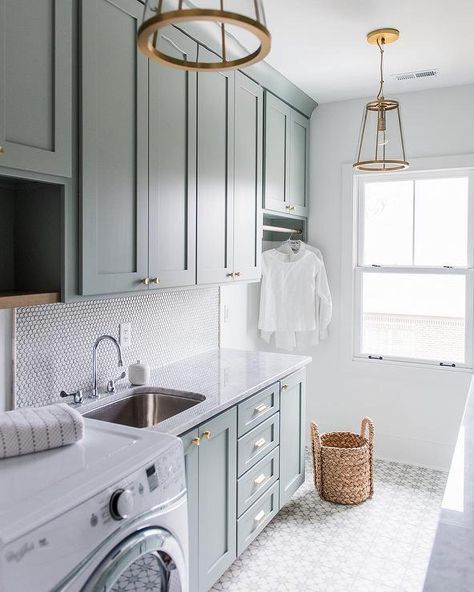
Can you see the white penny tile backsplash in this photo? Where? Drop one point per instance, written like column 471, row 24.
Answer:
column 54, row 342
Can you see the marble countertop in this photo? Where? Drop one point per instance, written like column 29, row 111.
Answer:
column 223, row 376
column 451, row 565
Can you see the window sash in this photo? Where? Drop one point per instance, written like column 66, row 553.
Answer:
column 359, row 269
column 367, row 179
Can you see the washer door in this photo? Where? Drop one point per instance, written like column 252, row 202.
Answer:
column 149, row 559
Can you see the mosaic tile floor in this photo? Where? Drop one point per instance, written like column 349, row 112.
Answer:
column 382, row 545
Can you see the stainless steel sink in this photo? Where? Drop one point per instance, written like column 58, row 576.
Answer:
column 144, row 408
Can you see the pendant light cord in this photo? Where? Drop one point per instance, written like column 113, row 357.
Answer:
column 380, row 93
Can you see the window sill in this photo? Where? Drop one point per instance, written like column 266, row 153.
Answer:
column 408, row 364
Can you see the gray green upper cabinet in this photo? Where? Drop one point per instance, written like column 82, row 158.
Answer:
column 292, row 434
column 286, row 158
column 36, row 85
column 114, row 151
column 172, row 166
column 215, row 191
column 248, row 125
column 211, row 470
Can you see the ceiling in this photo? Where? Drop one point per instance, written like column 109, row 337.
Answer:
column 320, row 45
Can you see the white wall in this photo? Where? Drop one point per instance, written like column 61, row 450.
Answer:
column 416, row 411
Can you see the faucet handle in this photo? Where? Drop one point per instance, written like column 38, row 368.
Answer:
column 111, row 383
column 78, row 396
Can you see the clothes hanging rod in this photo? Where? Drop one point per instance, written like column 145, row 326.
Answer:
column 281, row 229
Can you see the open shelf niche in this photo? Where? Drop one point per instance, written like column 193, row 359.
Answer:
column 30, row 242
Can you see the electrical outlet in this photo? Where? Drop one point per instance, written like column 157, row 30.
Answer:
column 125, row 333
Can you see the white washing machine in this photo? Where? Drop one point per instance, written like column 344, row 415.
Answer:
column 106, row 514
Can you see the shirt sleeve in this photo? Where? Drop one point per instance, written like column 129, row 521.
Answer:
column 324, row 300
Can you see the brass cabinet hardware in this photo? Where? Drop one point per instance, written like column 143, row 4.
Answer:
column 146, row 281
column 2, row 150
column 259, row 443
column 155, row 280
column 287, row 206
column 207, row 435
column 292, row 208
column 284, row 387
column 196, row 441
column 237, row 274
column 231, row 274
column 260, row 479
column 260, row 516
column 261, row 408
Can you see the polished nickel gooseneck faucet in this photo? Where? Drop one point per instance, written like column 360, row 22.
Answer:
column 94, row 360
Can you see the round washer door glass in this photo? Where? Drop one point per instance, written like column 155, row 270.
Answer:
column 149, row 559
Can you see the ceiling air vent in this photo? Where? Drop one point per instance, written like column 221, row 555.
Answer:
column 419, row 74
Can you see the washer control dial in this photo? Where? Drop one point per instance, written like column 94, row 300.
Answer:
column 121, row 504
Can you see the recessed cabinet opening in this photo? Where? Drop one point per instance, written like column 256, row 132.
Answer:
column 30, row 242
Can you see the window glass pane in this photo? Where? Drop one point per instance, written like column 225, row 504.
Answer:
column 441, row 215
column 414, row 316
column 388, row 223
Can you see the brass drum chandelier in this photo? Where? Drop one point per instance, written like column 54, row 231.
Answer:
column 381, row 146
column 239, row 17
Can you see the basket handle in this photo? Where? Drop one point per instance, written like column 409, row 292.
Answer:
column 368, row 423
column 316, row 446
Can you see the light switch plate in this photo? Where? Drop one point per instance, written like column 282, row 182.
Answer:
column 125, row 334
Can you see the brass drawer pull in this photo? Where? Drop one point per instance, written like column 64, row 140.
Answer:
column 260, row 443
column 207, row 435
column 261, row 408
column 155, row 280
column 237, row 274
column 146, row 281
column 196, row 441
column 231, row 274
column 260, row 516
column 284, row 387
column 260, row 479
column 288, row 207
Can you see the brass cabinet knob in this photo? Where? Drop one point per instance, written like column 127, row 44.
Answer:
column 196, row 441
column 2, row 150
column 155, row 280
column 292, row 208
column 146, row 281
column 237, row 274
column 231, row 274
column 206, row 435
column 288, row 207
column 284, row 387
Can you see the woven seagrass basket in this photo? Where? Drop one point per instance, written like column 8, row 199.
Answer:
column 343, row 464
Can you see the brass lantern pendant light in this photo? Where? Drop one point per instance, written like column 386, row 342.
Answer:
column 243, row 19
column 381, row 146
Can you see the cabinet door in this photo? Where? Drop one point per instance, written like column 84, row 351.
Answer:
column 299, row 164
column 292, row 434
column 35, row 85
column 191, row 459
column 248, row 178
column 172, row 166
column 215, row 159
column 277, row 166
column 217, row 497
column 114, row 148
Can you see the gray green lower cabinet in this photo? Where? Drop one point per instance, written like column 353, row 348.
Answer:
column 210, row 473
column 242, row 466
column 292, row 434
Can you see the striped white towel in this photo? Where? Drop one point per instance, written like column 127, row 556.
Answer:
column 28, row 430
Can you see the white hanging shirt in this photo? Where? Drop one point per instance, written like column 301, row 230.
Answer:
column 295, row 301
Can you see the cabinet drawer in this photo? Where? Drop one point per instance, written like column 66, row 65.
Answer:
column 257, row 409
column 256, row 444
column 256, row 481
column 256, row 518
